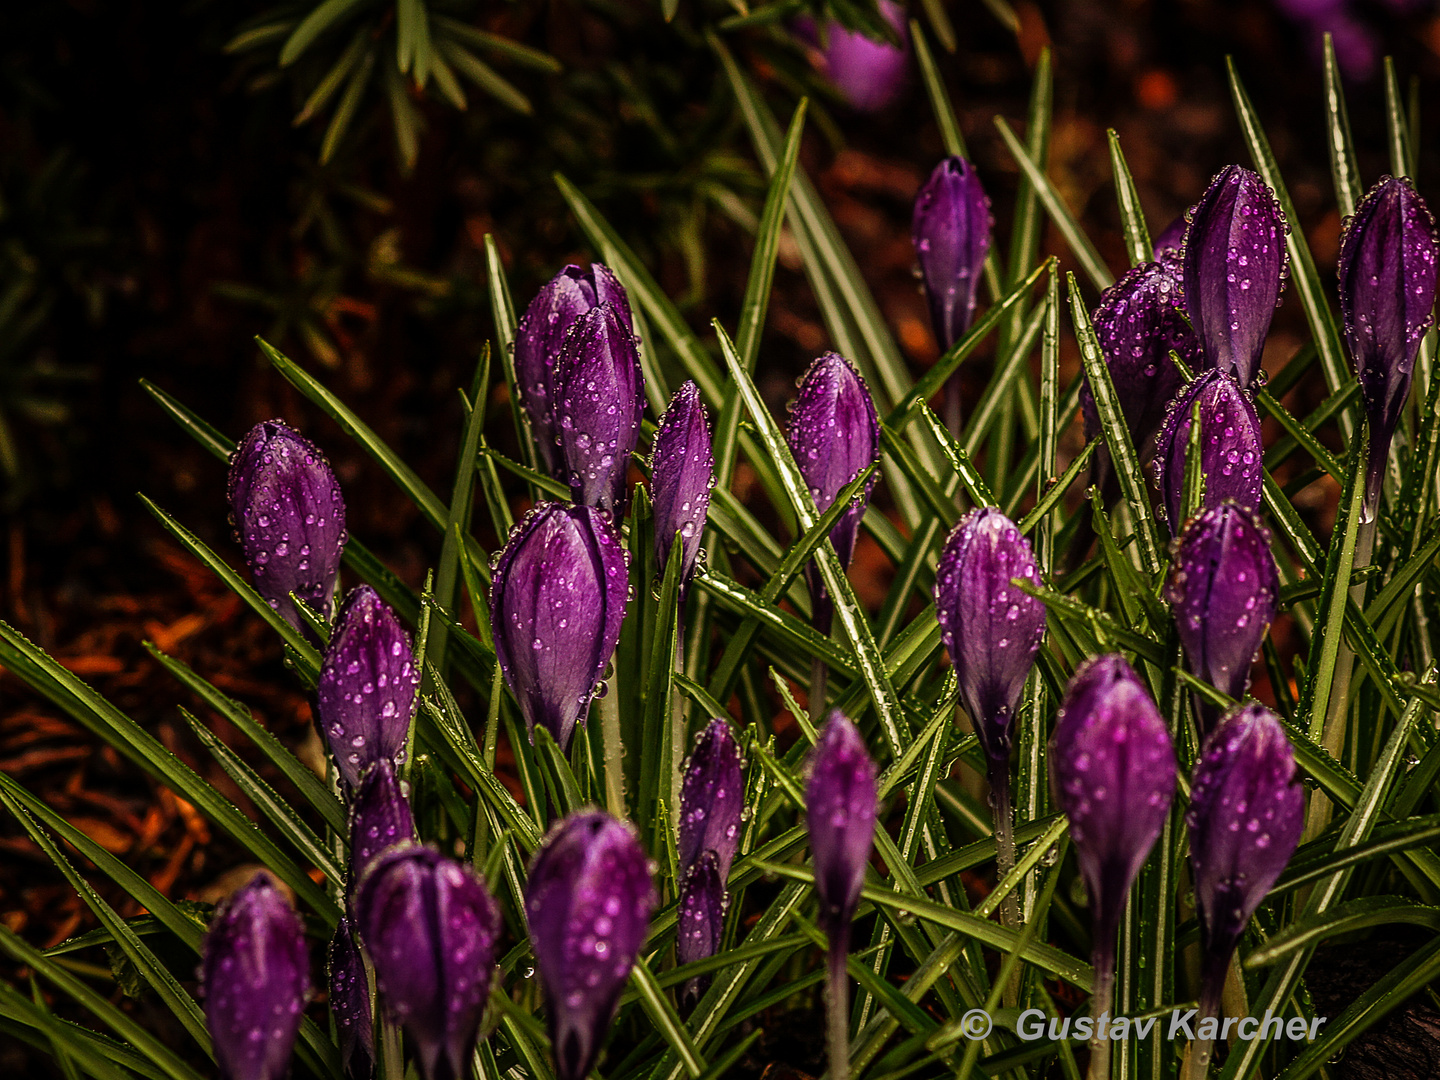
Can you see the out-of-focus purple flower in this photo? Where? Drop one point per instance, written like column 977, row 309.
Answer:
column 834, row 434
column 1246, row 814
column 598, row 401
column 350, row 1003
column 588, row 901
column 991, row 629
column 1171, row 243
column 840, row 812
column 870, row 74
column 1235, row 262
column 682, row 472
column 429, row 926
column 380, row 817
column 1223, row 589
column 712, row 794
column 368, row 682
column 1387, row 297
column 1232, row 455
column 1112, row 770
column 289, row 516
column 539, row 335
column 951, row 232
column 1355, row 41
column 701, row 918
column 557, row 598
column 255, row 979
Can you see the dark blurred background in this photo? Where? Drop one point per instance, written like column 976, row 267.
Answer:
column 173, row 183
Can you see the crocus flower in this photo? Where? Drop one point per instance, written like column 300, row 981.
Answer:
column 991, row 629
column 834, row 434
column 350, row 1002
column 598, row 401
column 700, row 919
column 289, row 515
column 682, row 472
column 539, row 334
column 951, row 232
column 557, row 598
column 368, row 683
column 840, row 810
column 1231, row 452
column 1246, row 814
column 869, row 74
column 712, row 793
column 1387, row 295
column 380, row 817
column 255, row 978
column 1223, row 589
column 430, row 926
column 588, row 901
column 1235, row 263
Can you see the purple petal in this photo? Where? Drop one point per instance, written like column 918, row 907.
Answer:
column 840, row 812
column 951, row 232
column 1171, row 244
column 682, row 472
column 557, row 598
column 1232, row 455
column 1235, row 263
column 712, row 793
column 368, row 682
column 379, row 818
column 870, row 74
column 991, row 629
column 430, row 928
column 289, row 516
column 588, row 901
column 255, row 979
column 700, row 922
column 350, row 1003
column 598, row 403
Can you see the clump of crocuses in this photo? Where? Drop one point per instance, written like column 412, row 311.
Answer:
column 557, row 598
column 255, row 979
column 588, row 901
column 289, row 515
column 1231, row 451
column 682, row 472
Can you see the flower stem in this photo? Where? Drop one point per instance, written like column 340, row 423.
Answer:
column 1100, row 999
column 999, row 769
column 819, row 673
column 837, row 1007
column 1199, row 1053
column 678, row 740
column 614, row 751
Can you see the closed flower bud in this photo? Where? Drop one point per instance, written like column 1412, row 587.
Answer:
column 834, row 434
column 1387, row 296
column 1232, row 455
column 991, row 629
column 255, row 979
column 588, row 901
column 368, row 682
column 700, row 921
column 1112, row 770
column 1234, row 269
column 1223, row 589
column 1169, row 247
column 350, row 1003
column 539, row 334
column 1246, row 815
column 869, row 74
column 598, row 401
column 840, row 814
column 430, row 927
column 557, row 598
column 951, row 232
column 712, row 794
column 682, row 472
column 379, row 818
column 289, row 515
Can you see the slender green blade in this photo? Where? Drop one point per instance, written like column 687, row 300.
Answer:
column 1132, row 217
column 1343, row 167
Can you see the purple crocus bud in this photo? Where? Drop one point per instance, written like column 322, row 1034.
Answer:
column 255, row 978
column 682, row 472
column 598, row 401
column 1112, row 770
column 834, row 434
column 1232, row 455
column 350, row 1003
column 701, row 918
column 588, row 901
column 1235, row 263
column 1223, row 589
column 712, row 793
column 1387, row 296
column 991, row 629
column 557, row 598
column 368, row 682
column 380, row 817
column 539, row 334
column 840, row 812
column 1246, row 814
column 951, row 232
column 289, row 516
column 1171, row 243
column 869, row 74
column 430, row 926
